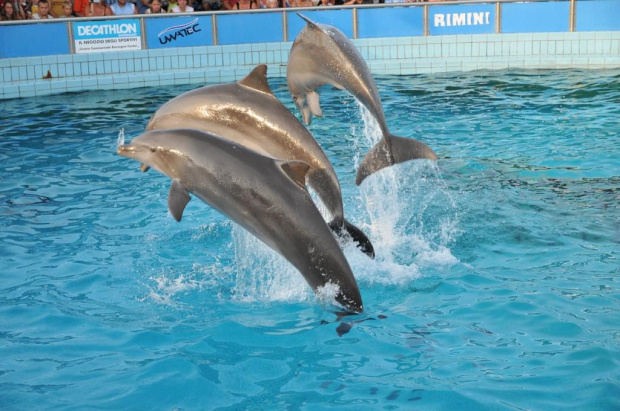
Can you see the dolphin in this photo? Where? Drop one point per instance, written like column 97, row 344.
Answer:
column 248, row 113
column 266, row 196
column 322, row 54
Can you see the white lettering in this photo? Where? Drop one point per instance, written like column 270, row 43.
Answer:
column 107, row 29
column 458, row 19
column 461, row 19
column 478, row 18
column 439, row 20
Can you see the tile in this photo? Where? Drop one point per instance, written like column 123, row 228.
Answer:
column 591, row 46
column 30, row 73
column 99, row 67
column 116, row 67
column 110, row 56
column 121, row 79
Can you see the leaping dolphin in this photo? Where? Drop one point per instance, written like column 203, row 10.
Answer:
column 322, row 54
column 265, row 196
column 248, row 113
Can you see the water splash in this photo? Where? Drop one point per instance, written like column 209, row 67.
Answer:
column 264, row 275
column 412, row 217
column 121, row 137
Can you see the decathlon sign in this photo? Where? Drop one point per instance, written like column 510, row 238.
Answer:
column 462, row 19
column 114, row 35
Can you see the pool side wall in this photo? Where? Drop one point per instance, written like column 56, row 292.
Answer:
column 431, row 49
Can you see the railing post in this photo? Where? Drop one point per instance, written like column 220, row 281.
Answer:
column 498, row 17
column 425, row 17
column 355, row 23
column 70, row 34
column 285, row 25
column 571, row 23
column 143, row 29
column 214, row 29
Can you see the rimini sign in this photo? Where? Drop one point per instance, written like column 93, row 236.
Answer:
column 462, row 19
column 114, row 35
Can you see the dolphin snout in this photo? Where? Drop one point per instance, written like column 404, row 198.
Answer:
column 125, row 150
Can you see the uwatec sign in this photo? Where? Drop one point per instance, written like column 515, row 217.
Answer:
column 179, row 32
column 102, row 36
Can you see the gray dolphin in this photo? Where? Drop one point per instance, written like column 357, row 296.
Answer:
column 265, row 196
column 322, row 54
column 248, row 113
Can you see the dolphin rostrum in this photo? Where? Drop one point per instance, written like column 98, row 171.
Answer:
column 264, row 195
column 248, row 113
column 322, row 54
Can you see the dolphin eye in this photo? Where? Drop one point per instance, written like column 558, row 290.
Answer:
column 153, row 149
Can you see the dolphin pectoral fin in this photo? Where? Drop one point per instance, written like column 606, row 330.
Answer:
column 392, row 150
column 306, row 114
column 257, row 79
column 144, row 168
column 314, row 104
column 357, row 235
column 178, row 197
column 296, row 171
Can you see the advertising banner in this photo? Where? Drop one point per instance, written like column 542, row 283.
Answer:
column 462, row 19
column 186, row 31
column 103, row 36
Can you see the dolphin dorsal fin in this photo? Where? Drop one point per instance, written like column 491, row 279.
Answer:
column 296, row 171
column 257, row 79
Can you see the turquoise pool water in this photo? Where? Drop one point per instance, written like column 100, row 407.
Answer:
column 496, row 282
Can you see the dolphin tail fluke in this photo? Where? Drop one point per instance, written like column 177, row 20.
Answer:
column 356, row 234
column 392, row 150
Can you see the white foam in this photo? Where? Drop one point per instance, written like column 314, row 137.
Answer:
column 121, row 137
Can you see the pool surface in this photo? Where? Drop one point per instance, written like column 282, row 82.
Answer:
column 496, row 282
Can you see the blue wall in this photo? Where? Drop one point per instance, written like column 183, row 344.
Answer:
column 535, row 17
column 400, row 20
column 250, row 28
column 599, row 15
column 390, row 22
column 30, row 40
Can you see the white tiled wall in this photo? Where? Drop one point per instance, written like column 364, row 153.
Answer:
column 23, row 77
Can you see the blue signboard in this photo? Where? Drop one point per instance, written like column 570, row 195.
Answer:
column 186, row 31
column 403, row 22
column 535, row 17
column 32, row 40
column 462, row 19
column 246, row 28
column 102, row 36
column 341, row 19
column 598, row 15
